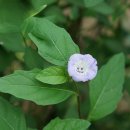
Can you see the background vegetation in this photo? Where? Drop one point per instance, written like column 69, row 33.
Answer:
column 101, row 29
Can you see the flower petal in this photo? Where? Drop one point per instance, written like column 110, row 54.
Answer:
column 82, row 67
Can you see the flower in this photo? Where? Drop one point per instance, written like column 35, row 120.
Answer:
column 82, row 67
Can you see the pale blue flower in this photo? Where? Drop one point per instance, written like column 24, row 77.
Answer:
column 82, row 67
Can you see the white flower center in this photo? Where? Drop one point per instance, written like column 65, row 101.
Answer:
column 81, row 67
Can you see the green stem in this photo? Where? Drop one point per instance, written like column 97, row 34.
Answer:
column 78, row 100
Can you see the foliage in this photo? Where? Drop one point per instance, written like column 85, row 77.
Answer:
column 66, row 124
column 108, row 88
column 37, row 39
column 11, row 118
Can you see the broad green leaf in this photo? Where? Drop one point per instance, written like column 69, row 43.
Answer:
column 12, row 41
column 67, row 124
column 12, row 15
column 13, row 12
column 23, row 84
column 54, row 43
column 10, row 22
column 32, row 59
column 31, row 129
column 8, row 28
column 53, row 75
column 106, row 88
column 91, row 3
column 11, row 118
column 103, row 8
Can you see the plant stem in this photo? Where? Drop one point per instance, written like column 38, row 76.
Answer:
column 78, row 101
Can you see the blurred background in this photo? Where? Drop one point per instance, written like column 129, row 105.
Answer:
column 101, row 30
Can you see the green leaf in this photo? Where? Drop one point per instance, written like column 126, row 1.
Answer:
column 12, row 15
column 10, row 20
column 54, row 43
column 36, row 6
column 91, row 3
column 106, row 88
column 10, row 24
column 11, row 118
column 67, row 124
column 12, row 41
column 53, row 75
column 32, row 59
column 23, row 84
column 103, row 8
column 31, row 129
